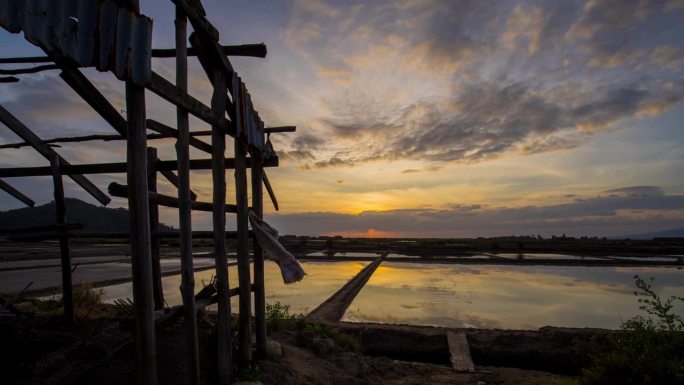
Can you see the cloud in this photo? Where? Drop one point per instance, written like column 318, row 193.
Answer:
column 450, row 82
column 637, row 191
column 624, row 211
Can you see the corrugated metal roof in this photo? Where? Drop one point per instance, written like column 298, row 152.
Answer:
column 92, row 33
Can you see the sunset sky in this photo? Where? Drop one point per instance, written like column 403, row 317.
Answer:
column 422, row 118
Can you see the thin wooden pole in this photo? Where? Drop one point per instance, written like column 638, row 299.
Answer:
column 187, row 287
column 259, row 288
column 244, row 327
column 16, row 193
column 139, row 214
column 218, row 143
column 157, row 290
column 64, row 250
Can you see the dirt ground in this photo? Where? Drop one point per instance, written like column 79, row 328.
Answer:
column 304, row 362
column 38, row 349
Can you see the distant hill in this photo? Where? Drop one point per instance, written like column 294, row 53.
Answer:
column 93, row 218
column 674, row 233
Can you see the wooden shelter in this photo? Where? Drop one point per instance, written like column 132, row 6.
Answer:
column 113, row 36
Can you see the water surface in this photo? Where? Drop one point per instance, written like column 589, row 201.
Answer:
column 511, row 297
column 322, row 280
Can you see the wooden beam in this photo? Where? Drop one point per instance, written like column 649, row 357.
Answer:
column 169, row 92
column 172, row 132
column 117, row 168
column 185, row 198
column 259, row 287
column 16, row 193
column 64, row 249
column 106, row 138
column 157, row 289
column 250, row 50
column 271, row 194
column 271, row 130
column 40, row 229
column 218, row 143
column 122, row 191
column 29, row 70
column 241, row 192
column 88, row 92
column 9, row 79
column 26, row 59
column 173, row 178
column 138, row 209
column 46, row 151
column 198, row 21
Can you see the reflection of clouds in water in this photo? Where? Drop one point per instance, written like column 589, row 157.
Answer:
column 515, row 296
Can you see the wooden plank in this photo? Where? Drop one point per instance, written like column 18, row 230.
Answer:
column 173, row 178
column 250, row 50
column 64, row 250
column 185, row 198
column 29, row 70
column 218, row 173
column 46, row 151
column 244, row 324
column 157, row 289
column 271, row 130
column 88, row 92
column 106, row 138
column 169, row 92
column 40, row 229
column 259, row 287
column 459, row 352
column 116, row 168
column 172, row 132
column 122, row 191
column 199, row 22
column 16, row 193
column 139, row 214
column 271, row 194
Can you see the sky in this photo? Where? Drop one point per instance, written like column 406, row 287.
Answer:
column 422, row 118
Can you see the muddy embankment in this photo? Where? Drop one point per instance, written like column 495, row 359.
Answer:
column 551, row 349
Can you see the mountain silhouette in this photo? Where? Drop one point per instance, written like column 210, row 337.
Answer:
column 93, row 218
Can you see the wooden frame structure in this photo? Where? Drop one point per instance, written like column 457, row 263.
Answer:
column 113, row 36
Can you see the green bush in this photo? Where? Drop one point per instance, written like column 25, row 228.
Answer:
column 278, row 317
column 648, row 350
column 250, row 372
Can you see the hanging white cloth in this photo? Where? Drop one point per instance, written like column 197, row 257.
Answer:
column 266, row 236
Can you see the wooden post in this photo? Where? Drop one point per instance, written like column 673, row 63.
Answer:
column 139, row 214
column 187, row 287
column 259, row 288
column 64, row 250
column 244, row 327
column 157, row 291
column 218, row 172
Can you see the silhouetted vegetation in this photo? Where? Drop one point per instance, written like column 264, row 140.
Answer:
column 648, row 351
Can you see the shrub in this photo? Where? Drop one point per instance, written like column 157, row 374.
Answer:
column 250, row 372
column 278, row 317
column 647, row 350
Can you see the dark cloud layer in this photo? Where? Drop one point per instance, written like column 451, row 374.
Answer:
column 623, row 211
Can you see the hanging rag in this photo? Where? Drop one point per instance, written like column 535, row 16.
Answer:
column 266, row 236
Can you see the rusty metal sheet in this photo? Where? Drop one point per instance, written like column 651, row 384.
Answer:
column 93, row 33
